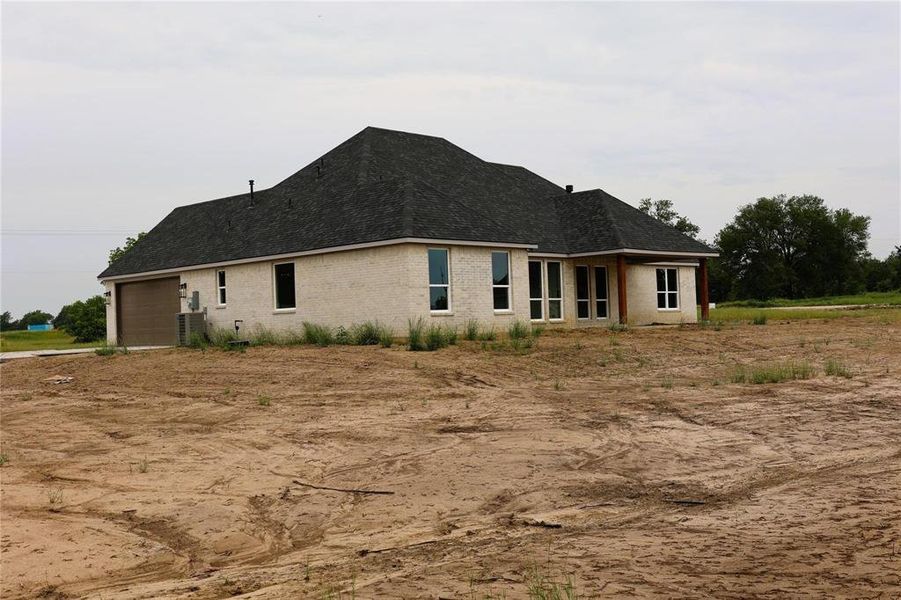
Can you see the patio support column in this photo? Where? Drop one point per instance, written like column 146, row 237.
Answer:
column 705, row 294
column 621, row 288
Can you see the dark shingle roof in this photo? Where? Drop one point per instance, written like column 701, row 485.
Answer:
column 382, row 185
column 596, row 220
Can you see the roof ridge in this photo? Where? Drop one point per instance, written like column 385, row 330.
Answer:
column 617, row 232
column 374, row 128
column 365, row 155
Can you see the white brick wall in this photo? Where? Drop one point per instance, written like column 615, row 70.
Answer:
column 390, row 284
column 471, row 289
column 642, row 296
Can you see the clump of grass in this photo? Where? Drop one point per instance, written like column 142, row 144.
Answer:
column 519, row 330
column 143, row 465
column 368, row 333
column 421, row 337
column 437, row 337
column 198, row 341
column 319, row 335
column 386, row 338
column 836, row 368
column 537, row 330
column 488, row 335
column 471, row 330
column 450, row 335
column 541, row 587
column 558, row 385
column 264, row 400
column 220, row 337
column 759, row 319
column 343, row 336
column 416, row 334
column 55, row 499
column 667, row 382
column 772, row 373
column 105, row 350
column 522, row 344
column 4, row 458
column 617, row 327
column 263, row 336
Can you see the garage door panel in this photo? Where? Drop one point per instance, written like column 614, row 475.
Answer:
column 146, row 312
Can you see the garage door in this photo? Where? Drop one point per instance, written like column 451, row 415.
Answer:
column 146, row 312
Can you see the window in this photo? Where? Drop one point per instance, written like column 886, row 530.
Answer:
column 667, row 289
column 554, row 290
column 583, row 302
column 500, row 280
column 284, row 286
column 600, row 292
column 439, row 280
column 220, row 285
column 536, row 304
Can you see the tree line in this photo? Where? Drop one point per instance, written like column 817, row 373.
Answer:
column 85, row 320
column 789, row 247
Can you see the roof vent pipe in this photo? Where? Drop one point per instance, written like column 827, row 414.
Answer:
column 569, row 189
column 251, row 193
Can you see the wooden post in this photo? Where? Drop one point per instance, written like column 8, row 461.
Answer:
column 621, row 288
column 705, row 294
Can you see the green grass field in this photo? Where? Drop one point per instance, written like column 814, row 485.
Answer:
column 14, row 341
column 746, row 314
column 893, row 298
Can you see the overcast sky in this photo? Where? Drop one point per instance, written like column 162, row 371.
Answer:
column 113, row 114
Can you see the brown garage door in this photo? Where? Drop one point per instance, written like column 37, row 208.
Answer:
column 146, row 312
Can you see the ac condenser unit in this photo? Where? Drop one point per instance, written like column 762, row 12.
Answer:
column 188, row 325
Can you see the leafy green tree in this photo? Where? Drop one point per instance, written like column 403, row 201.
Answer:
column 35, row 317
column 883, row 275
column 6, row 322
column 792, row 247
column 117, row 253
column 85, row 320
column 64, row 318
column 663, row 210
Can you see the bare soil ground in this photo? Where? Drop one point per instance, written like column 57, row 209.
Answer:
column 627, row 462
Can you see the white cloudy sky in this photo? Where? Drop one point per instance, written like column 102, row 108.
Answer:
column 113, row 114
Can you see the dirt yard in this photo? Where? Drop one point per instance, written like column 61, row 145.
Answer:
column 626, row 463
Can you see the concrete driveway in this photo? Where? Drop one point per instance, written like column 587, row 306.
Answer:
column 4, row 356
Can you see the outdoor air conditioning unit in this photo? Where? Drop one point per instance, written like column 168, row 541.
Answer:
column 189, row 324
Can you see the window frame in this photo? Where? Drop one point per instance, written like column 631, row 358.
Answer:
column 508, row 286
column 447, row 285
column 606, row 298
column 587, row 299
column 547, row 292
column 541, row 290
column 666, row 291
column 285, row 309
column 221, row 286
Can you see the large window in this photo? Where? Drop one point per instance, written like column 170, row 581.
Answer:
column 667, row 289
column 500, row 280
column 583, row 301
column 439, row 279
column 600, row 292
column 220, row 286
column 536, row 303
column 554, row 290
column 284, row 286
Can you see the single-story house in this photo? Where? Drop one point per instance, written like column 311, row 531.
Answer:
column 391, row 226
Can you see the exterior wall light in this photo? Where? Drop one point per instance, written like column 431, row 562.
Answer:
column 108, row 297
column 183, row 290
